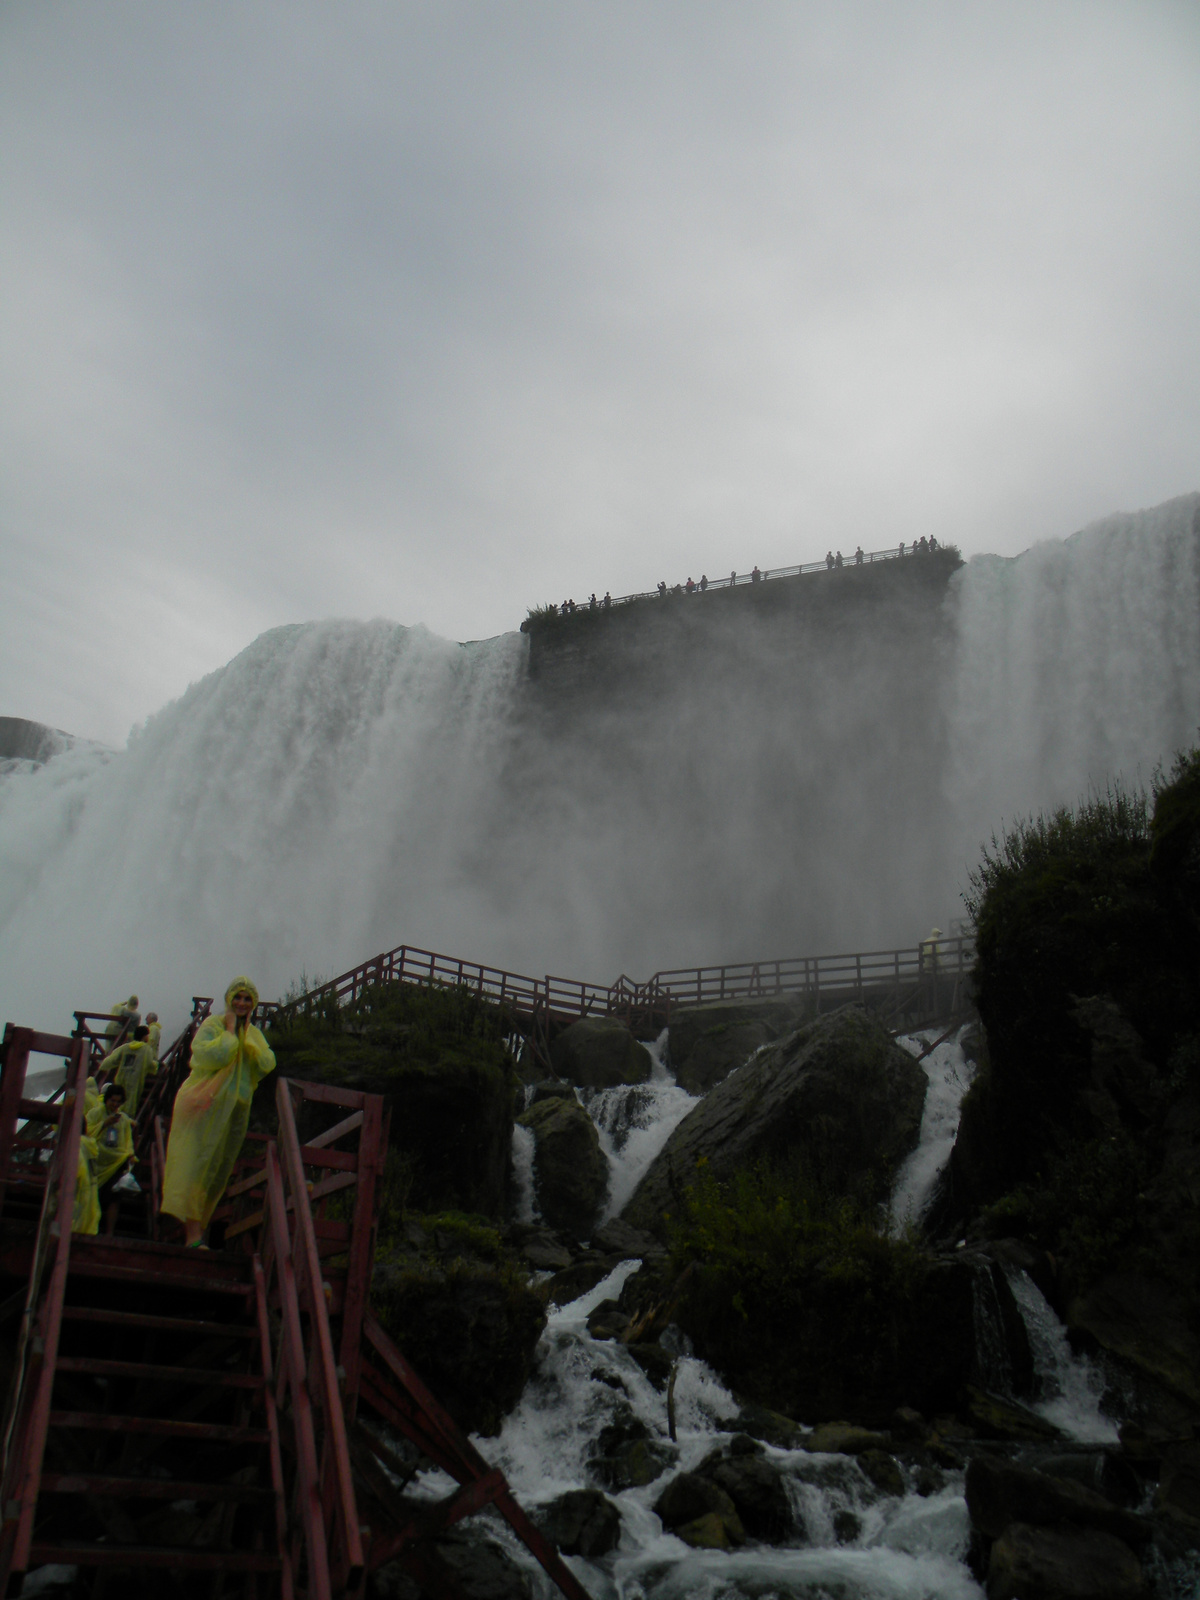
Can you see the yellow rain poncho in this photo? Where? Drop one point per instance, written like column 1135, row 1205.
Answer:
column 121, row 1010
column 91, row 1097
column 154, row 1038
column 133, row 1063
column 114, row 1146
column 212, row 1111
column 85, row 1215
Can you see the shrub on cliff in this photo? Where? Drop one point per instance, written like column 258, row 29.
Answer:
column 801, row 1302
column 440, row 1058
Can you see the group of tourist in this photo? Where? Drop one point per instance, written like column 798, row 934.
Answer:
column 923, row 546
column 229, row 1058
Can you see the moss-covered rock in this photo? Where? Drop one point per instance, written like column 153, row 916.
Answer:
column 569, row 1170
column 458, row 1303
column 838, row 1098
column 439, row 1058
column 709, row 1041
column 600, row 1053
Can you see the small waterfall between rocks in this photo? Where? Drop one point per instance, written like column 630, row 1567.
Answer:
column 950, row 1074
column 1072, row 1387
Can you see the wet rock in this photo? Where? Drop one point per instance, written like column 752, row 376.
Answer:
column 772, row 1427
column 1003, row 1492
column 1145, row 1323
column 846, row 1526
column 755, row 1486
column 627, row 1456
column 1121, row 1071
column 1178, row 1495
column 617, row 1238
column 582, row 1522
column 543, row 1251
column 578, row 1278
column 1106, row 1472
column 700, row 1512
column 607, row 1321
column 599, row 1053
column 478, row 1569
column 843, row 1438
column 883, row 1470
column 709, row 1041
column 654, row 1361
column 929, row 1480
column 1062, row 1564
column 838, row 1095
column 995, row 1417
column 569, row 1170
column 908, row 1424
column 551, row 1089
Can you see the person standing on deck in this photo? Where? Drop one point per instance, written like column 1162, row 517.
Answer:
column 230, row 1058
column 112, row 1132
column 125, row 1017
column 154, row 1037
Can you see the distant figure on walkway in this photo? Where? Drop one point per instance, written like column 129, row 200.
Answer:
column 125, row 1011
column 690, row 586
column 573, row 607
column 900, row 552
column 662, row 591
column 593, row 603
column 212, row 1109
column 755, row 575
column 154, row 1037
column 732, row 579
column 930, row 948
column 678, row 589
column 703, row 582
column 923, row 545
column 829, row 562
column 858, row 556
column 933, row 544
column 607, row 601
column 837, row 560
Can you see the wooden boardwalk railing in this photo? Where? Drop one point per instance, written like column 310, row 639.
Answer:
column 918, row 983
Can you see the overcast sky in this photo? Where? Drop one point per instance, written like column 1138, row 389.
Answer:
column 436, row 311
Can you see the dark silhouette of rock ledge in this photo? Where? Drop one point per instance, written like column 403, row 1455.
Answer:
column 839, row 1096
column 600, row 1053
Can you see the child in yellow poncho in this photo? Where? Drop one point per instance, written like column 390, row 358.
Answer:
column 112, row 1131
column 133, row 1063
column 230, row 1057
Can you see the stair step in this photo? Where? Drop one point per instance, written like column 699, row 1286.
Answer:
column 150, row 1488
column 146, row 1319
column 159, row 1278
column 155, row 1374
column 164, row 1427
column 183, row 1557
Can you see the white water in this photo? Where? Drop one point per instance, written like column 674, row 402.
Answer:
column 1072, row 1387
column 525, row 1209
column 907, row 1548
column 949, row 1074
column 343, row 786
column 635, row 1123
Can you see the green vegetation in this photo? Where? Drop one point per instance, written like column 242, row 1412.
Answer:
column 774, row 1265
column 1086, row 979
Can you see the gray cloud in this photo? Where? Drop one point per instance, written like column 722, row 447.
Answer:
column 436, row 311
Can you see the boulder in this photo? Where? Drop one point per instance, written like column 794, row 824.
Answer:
column 654, row 1361
column 1145, row 1323
column 626, row 1455
column 883, row 1470
column 755, row 1486
column 582, row 1522
column 838, row 1096
column 569, row 1170
column 708, row 1041
column 617, row 1238
column 844, row 1439
column 699, row 1512
column 551, row 1089
column 772, row 1427
column 478, row 1569
column 600, row 1053
column 607, row 1320
column 1178, row 1495
column 1003, row 1492
column 1065, row 1563
column 578, row 1278
column 995, row 1416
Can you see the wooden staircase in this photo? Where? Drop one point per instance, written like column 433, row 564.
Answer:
column 208, row 1418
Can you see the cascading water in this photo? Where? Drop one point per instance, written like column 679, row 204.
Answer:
column 634, row 1124
column 1072, row 1388
column 850, row 1540
column 342, row 786
column 949, row 1074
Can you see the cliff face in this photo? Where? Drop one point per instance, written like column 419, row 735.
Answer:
column 760, row 756
column 30, row 741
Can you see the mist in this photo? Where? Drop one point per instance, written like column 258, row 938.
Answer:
column 686, row 785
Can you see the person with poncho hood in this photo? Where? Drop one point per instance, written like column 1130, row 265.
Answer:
column 125, row 1017
column 229, row 1059
column 132, row 1064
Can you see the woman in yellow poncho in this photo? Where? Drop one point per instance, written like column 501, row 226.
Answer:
column 212, row 1109
column 112, row 1132
column 85, row 1213
column 132, row 1064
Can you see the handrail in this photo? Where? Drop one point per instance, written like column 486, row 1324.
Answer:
column 652, row 1000
column 737, row 580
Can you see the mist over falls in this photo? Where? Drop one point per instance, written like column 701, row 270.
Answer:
column 807, row 766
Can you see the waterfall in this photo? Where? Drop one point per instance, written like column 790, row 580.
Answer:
column 634, row 1123
column 949, row 1075
column 342, row 787
column 1072, row 1388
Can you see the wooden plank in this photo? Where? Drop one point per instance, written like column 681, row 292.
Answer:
column 147, row 1372
column 338, row 1131
column 186, row 1558
column 144, row 1319
column 163, row 1427
column 149, row 1488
